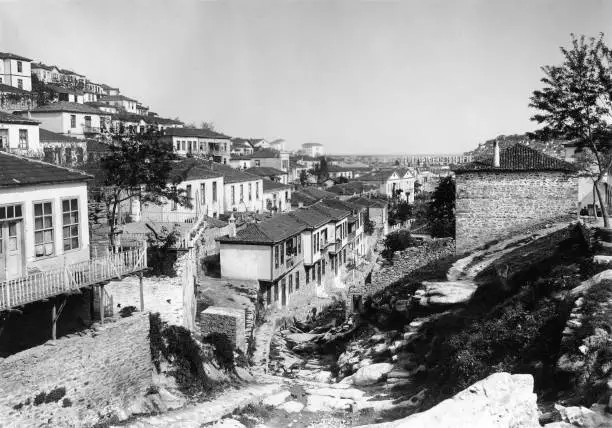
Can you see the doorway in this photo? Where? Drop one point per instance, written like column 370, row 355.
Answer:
column 11, row 249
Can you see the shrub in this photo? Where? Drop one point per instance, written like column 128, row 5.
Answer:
column 368, row 227
column 66, row 402
column 224, row 351
column 161, row 252
column 397, row 241
column 40, row 398
column 55, row 395
column 127, row 311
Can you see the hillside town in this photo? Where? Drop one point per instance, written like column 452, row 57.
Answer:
column 161, row 272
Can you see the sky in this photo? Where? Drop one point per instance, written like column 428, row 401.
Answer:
column 362, row 77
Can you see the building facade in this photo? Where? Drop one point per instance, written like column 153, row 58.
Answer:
column 15, row 71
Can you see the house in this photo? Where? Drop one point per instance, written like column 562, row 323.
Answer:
column 43, row 216
column 241, row 147
column 517, row 188
column 276, row 196
column 377, row 211
column 45, row 73
column 356, row 221
column 260, row 143
column 68, row 94
column 241, row 162
column 122, row 102
column 271, row 158
column 351, row 189
column 398, row 182
column 106, row 108
column 93, row 91
column 72, row 78
column 295, row 172
column 109, row 90
column 19, row 135
column 242, row 192
column 199, row 142
column 278, row 145
column 61, row 149
column 269, row 173
column 313, row 149
column 336, row 172
column 12, row 99
column 203, row 185
column 308, row 162
column 71, row 119
column 15, row 71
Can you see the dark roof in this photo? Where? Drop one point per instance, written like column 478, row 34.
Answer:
column 270, row 186
column 8, row 55
column 312, row 217
column 336, row 168
column 195, row 132
column 46, row 136
column 66, row 71
column 11, row 118
column 369, row 202
column 231, row 175
column 117, row 98
column 298, row 198
column 193, row 169
column 14, row 90
column 234, row 156
column 342, row 205
column 165, row 120
column 333, row 213
column 317, row 193
column 41, row 65
column 264, row 171
column 105, row 86
column 518, row 158
column 275, row 229
column 351, row 188
column 241, row 142
column 67, row 107
column 265, row 154
column 18, row 171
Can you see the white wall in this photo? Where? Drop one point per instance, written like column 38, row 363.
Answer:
column 253, row 205
column 241, row 261
column 13, row 136
column 27, row 195
column 10, row 75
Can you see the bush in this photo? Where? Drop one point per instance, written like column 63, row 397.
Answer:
column 397, row 241
column 55, row 395
column 127, row 311
column 66, row 402
column 368, row 227
column 224, row 351
column 161, row 252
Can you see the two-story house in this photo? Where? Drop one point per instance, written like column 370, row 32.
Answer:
column 313, row 149
column 270, row 158
column 241, row 146
column 338, row 235
column 242, row 192
column 276, row 196
column 356, row 220
column 15, row 71
column 121, row 101
column 377, row 211
column 72, row 119
column 392, row 183
column 199, row 142
column 109, row 90
column 336, row 172
column 44, row 73
column 19, row 135
column 241, row 161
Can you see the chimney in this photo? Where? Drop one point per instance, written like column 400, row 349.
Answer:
column 232, row 226
column 496, row 155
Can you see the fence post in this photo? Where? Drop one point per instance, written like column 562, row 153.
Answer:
column 141, row 292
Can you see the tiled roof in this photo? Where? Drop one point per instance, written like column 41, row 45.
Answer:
column 265, row 171
column 105, row 86
column 195, row 132
column 166, row 121
column 234, row 156
column 241, row 142
column 270, row 231
column 41, row 65
column 317, row 193
column 342, row 205
column 333, row 213
column 518, row 158
column 12, row 89
column 271, row 186
column 62, row 90
column 265, row 154
column 117, row 98
column 231, row 175
column 18, row 171
column 46, row 136
column 66, row 71
column 369, row 202
column 11, row 118
column 351, row 188
column 311, row 217
column 298, row 198
column 8, row 55
column 193, row 169
column 68, row 107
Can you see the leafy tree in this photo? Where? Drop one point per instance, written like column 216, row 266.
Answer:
column 140, row 168
column 323, row 171
column 441, row 210
column 303, row 178
column 397, row 241
column 368, row 227
column 576, row 104
column 342, row 179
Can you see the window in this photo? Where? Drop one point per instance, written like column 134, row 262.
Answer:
column 183, row 145
column 290, row 283
column 257, row 190
column 257, row 162
column 0, row 79
column 178, row 145
column 70, row 211
column 20, row 83
column 289, row 248
column 282, row 254
column 324, row 237
column 250, row 193
column 73, row 120
column 286, row 196
column 323, row 267
column 43, row 229
column 299, row 244
column 297, row 281
column 214, row 191
column 233, row 195
column 276, row 256
column 9, row 212
column 203, row 192
column 188, row 192
column 307, row 275
column 23, row 139
column 241, row 192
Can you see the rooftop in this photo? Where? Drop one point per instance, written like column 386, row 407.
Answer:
column 18, row 171
column 195, row 132
column 518, row 158
column 193, row 169
column 14, row 90
column 66, row 107
column 312, row 217
column 117, row 98
column 271, row 186
column 46, row 136
column 369, row 202
column 8, row 55
column 271, row 231
column 351, row 188
column 331, row 212
column 265, row 154
column 264, row 171
column 11, row 118
column 231, row 175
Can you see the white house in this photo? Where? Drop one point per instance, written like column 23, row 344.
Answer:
column 241, row 147
column 199, row 142
column 15, row 71
column 278, row 145
column 109, row 90
column 395, row 182
column 130, row 105
column 241, row 162
column 313, row 149
column 242, row 192
column 270, row 158
column 43, row 216
column 73, row 119
column 19, row 135
column 276, row 197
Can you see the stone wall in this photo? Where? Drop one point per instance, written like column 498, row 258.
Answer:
column 404, row 263
column 227, row 321
column 491, row 206
column 102, row 371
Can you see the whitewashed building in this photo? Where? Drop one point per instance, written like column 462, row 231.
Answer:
column 19, row 135
column 15, row 71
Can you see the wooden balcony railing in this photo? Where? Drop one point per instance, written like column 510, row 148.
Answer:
column 169, row 216
column 43, row 285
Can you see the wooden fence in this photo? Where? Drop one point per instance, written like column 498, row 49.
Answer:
column 70, row 278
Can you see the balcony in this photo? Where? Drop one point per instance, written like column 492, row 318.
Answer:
column 90, row 129
column 70, row 278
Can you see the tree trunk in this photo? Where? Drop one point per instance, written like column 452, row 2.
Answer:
column 111, row 223
column 602, row 203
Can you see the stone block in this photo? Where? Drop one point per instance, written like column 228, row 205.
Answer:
column 227, row 321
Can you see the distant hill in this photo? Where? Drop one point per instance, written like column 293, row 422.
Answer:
column 552, row 148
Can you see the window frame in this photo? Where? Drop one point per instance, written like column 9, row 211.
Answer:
column 44, row 229
column 23, row 142
column 79, row 235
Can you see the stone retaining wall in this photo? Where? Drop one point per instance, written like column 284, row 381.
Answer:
column 102, row 371
column 227, row 321
column 404, row 263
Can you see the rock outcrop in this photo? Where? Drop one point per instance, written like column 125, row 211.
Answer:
column 501, row 400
